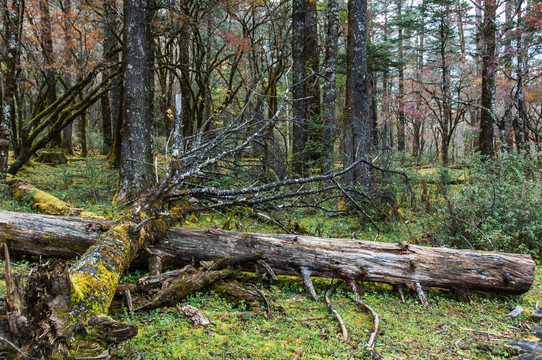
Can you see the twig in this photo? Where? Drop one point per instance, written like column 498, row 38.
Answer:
column 268, row 306
column 268, row 269
column 16, row 348
column 334, row 312
column 298, row 354
column 128, row 297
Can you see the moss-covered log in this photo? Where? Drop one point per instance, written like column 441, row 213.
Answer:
column 44, row 202
column 347, row 259
column 78, row 327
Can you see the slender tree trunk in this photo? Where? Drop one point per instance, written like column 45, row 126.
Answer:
column 446, row 121
column 520, row 127
column 488, row 79
column 82, row 124
column 298, row 92
column 187, row 114
column 330, row 92
column 401, row 123
column 299, row 160
column 136, row 170
column 12, row 17
column 46, row 30
column 357, row 137
column 107, row 108
column 67, row 132
column 311, row 54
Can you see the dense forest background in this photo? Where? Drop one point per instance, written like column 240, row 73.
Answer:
column 255, row 92
column 411, row 122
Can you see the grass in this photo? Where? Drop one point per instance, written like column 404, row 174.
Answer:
column 448, row 329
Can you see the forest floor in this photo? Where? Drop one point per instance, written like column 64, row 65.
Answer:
column 299, row 327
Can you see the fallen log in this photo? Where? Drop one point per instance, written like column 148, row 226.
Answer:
column 348, row 259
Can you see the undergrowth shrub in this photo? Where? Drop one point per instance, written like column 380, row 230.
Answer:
column 497, row 208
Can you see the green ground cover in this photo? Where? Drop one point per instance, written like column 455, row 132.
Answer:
column 448, row 329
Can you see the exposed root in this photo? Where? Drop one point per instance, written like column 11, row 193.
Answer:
column 298, row 353
column 269, row 270
column 329, row 292
column 369, row 347
column 421, row 294
column 399, row 288
column 268, row 306
column 18, row 349
column 128, row 298
column 306, row 276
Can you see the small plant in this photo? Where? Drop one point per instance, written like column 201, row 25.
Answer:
column 498, row 208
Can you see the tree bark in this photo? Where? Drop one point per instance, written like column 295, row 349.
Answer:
column 136, row 169
column 330, row 91
column 12, row 17
column 402, row 263
column 487, row 118
column 356, row 137
column 313, row 146
column 298, row 89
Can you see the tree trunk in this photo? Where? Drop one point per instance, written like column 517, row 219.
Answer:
column 330, row 92
column 78, row 297
column 401, row 122
column 311, row 53
column 12, row 17
column 402, row 263
column 136, row 169
column 298, row 91
column 487, row 118
column 357, row 137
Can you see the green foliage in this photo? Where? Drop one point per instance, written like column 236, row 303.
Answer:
column 498, row 208
column 9, row 202
column 86, row 183
column 446, row 330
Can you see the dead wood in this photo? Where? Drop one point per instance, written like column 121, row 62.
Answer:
column 370, row 345
column 44, row 202
column 233, row 291
column 195, row 316
column 184, row 286
column 347, row 259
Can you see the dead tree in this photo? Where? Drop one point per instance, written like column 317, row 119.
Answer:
column 347, row 259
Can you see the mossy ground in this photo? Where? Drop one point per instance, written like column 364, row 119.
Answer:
column 448, row 329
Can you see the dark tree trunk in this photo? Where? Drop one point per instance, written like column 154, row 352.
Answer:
column 357, row 137
column 136, row 152
column 12, row 17
column 46, row 30
column 67, row 132
column 401, row 121
column 311, row 55
column 188, row 120
column 519, row 124
column 330, row 92
column 82, row 124
column 108, row 47
column 299, row 160
column 488, row 79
